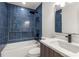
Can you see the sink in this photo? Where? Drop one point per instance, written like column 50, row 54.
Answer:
column 62, row 47
column 71, row 47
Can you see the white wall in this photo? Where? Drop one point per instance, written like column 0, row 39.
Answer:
column 48, row 16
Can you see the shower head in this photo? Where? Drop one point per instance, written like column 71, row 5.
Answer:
column 33, row 12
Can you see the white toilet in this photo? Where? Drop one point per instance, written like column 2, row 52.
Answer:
column 34, row 52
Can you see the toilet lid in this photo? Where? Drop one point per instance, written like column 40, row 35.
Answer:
column 34, row 51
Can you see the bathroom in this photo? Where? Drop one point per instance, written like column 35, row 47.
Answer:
column 39, row 29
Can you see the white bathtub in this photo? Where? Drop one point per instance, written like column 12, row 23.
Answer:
column 18, row 49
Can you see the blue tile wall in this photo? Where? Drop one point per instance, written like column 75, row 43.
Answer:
column 3, row 23
column 17, row 28
column 58, row 21
column 38, row 22
column 14, row 22
column 17, row 18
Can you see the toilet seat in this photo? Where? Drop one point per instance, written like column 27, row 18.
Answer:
column 34, row 52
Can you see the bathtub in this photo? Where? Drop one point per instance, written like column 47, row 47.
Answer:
column 18, row 49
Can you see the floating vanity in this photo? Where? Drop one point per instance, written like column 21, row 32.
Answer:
column 54, row 47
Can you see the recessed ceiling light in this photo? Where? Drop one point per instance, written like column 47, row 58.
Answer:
column 24, row 3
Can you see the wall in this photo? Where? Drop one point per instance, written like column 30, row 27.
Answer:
column 38, row 22
column 20, row 23
column 3, row 23
column 48, row 16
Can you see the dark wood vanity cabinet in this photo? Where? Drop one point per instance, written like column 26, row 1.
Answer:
column 47, row 52
column 44, row 51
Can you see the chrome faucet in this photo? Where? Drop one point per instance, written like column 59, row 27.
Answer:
column 69, row 38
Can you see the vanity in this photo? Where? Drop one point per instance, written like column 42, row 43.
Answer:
column 48, row 52
column 55, row 47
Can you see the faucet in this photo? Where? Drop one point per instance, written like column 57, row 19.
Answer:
column 69, row 38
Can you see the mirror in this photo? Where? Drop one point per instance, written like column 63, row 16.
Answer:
column 70, row 18
column 58, row 21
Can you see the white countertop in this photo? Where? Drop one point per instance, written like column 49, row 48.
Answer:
column 61, row 51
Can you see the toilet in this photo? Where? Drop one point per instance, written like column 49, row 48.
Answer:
column 34, row 52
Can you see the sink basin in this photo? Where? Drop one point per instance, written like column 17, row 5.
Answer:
column 62, row 47
column 65, row 45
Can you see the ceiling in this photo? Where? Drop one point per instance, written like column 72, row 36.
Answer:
column 31, row 5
